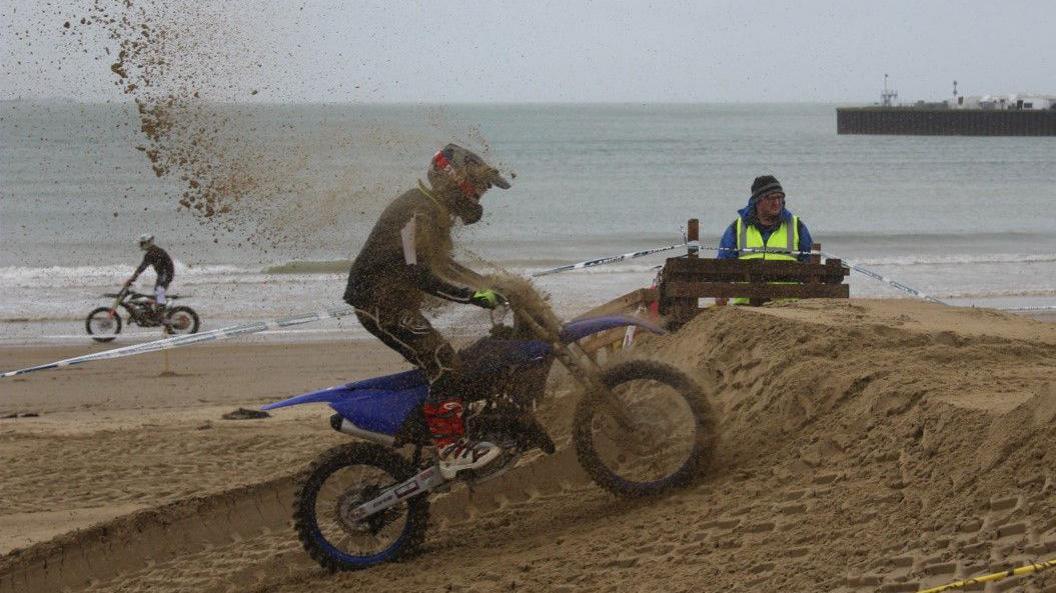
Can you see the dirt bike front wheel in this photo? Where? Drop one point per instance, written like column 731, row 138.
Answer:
column 103, row 324
column 670, row 442
column 339, row 481
column 182, row 320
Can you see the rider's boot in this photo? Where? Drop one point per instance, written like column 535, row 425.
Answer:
column 457, row 453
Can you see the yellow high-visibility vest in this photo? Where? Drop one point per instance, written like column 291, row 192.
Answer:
column 781, row 242
column 779, row 246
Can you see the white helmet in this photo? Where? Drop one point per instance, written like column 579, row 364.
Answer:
column 145, row 241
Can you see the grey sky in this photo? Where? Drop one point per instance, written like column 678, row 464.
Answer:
column 696, row 51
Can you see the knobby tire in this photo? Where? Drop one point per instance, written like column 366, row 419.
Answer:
column 701, row 452
column 385, row 459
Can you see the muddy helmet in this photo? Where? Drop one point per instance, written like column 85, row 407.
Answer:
column 146, row 240
column 465, row 170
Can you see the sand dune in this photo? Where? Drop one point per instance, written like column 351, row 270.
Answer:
column 865, row 446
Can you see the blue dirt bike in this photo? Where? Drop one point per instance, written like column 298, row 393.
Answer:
column 640, row 428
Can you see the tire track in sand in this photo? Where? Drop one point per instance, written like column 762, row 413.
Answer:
column 244, row 533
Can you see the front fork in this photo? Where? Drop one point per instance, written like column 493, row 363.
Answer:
column 584, row 369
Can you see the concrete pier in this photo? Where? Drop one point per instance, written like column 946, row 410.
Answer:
column 944, row 122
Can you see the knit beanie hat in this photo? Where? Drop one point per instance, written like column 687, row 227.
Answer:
column 765, row 184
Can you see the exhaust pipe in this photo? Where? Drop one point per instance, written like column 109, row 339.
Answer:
column 341, row 424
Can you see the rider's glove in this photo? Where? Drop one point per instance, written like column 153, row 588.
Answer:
column 489, row 299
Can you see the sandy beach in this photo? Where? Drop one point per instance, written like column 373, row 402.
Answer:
column 865, row 444
column 263, row 164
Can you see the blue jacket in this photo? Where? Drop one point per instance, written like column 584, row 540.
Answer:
column 728, row 245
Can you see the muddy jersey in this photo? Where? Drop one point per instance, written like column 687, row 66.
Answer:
column 161, row 262
column 409, row 245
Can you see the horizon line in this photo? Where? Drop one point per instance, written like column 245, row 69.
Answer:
column 76, row 101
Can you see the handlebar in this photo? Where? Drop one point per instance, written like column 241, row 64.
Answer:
column 533, row 313
column 120, row 296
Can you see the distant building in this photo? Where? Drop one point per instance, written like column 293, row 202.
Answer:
column 1019, row 102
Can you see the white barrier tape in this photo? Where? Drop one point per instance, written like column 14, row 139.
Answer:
column 618, row 258
column 607, row 260
column 187, row 340
column 613, row 259
column 886, row 280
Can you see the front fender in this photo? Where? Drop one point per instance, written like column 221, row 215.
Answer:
column 581, row 328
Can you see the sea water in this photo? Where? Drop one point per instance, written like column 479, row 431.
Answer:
column 965, row 219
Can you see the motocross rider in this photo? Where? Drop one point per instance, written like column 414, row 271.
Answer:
column 408, row 255
column 157, row 258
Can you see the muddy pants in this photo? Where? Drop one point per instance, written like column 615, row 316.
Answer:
column 411, row 334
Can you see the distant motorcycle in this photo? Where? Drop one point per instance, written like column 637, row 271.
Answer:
column 640, row 428
column 104, row 323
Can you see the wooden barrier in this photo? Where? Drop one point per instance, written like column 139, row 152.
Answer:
column 684, row 280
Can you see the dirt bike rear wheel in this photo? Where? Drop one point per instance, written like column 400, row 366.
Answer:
column 338, row 481
column 182, row 320
column 103, row 324
column 672, row 444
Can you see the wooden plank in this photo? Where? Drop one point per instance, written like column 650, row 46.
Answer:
column 627, row 303
column 734, row 268
column 804, row 273
column 623, row 305
column 677, row 290
column 807, row 277
column 591, row 344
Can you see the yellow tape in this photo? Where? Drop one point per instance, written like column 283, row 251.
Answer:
column 997, row 576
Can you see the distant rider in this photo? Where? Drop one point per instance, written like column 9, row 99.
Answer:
column 408, row 255
column 767, row 228
column 161, row 262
